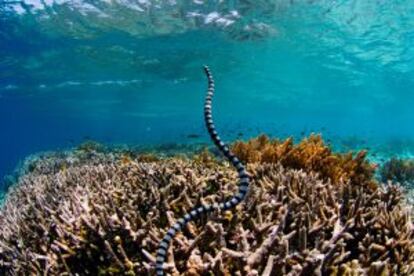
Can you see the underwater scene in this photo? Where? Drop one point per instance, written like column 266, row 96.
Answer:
column 245, row 137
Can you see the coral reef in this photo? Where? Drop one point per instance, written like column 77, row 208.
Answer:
column 105, row 216
column 311, row 155
column 398, row 170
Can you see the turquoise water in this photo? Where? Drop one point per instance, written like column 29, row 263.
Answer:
column 129, row 72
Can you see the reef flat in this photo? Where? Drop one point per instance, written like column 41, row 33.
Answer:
column 310, row 211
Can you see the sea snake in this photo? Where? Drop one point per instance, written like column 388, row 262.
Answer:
column 205, row 209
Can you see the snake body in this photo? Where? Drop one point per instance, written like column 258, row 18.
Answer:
column 244, row 181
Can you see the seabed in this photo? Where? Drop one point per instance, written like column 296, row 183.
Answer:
column 103, row 211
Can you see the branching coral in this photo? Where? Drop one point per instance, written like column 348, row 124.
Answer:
column 309, row 212
column 311, row 154
column 106, row 218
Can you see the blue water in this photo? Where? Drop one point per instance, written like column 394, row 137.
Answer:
column 130, row 72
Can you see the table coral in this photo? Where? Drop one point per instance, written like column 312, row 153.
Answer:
column 103, row 217
column 309, row 212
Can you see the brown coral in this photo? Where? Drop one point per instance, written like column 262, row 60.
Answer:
column 311, row 155
column 105, row 218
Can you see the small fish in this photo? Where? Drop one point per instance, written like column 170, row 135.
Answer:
column 193, row 136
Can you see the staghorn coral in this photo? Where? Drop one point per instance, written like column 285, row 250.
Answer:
column 105, row 219
column 311, row 154
column 102, row 215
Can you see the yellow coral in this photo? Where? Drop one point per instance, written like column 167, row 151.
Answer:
column 311, row 154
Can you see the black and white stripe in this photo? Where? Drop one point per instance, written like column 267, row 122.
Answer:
column 205, row 209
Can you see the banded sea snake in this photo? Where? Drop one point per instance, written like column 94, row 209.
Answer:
column 244, row 181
